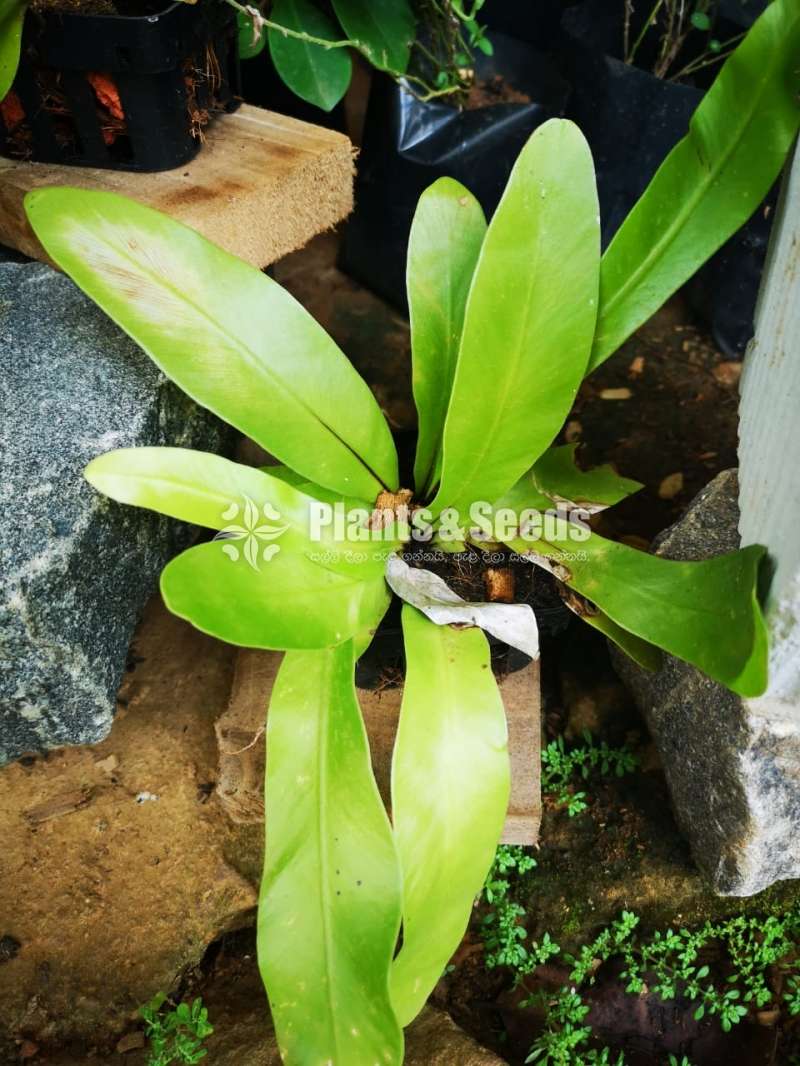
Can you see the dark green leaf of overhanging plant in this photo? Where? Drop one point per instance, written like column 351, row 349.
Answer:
column 232, row 338
column 446, row 237
column 12, row 15
column 317, row 74
column 703, row 612
column 450, row 787
column 711, row 182
column 329, row 911
column 529, row 320
column 245, row 593
column 211, row 491
column 557, row 475
column 384, row 28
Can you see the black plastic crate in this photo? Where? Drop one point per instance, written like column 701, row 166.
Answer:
column 121, row 92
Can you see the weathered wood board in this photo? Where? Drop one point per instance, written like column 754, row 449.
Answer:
column 262, row 186
column 240, row 783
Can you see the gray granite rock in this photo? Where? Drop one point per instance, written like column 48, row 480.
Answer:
column 77, row 568
column 733, row 765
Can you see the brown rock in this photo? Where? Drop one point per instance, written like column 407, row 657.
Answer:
column 435, row 1040
column 728, row 374
column 671, row 486
column 130, row 1042
column 112, row 899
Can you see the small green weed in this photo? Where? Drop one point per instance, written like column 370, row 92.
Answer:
column 501, row 929
column 175, row 1035
column 669, row 963
column 561, row 765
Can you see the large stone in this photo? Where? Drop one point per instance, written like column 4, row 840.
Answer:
column 77, row 569
column 732, row 764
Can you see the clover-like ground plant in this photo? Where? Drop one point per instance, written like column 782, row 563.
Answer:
column 506, row 320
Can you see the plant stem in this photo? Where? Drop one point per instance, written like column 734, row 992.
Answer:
column 701, row 62
column 648, row 23
column 403, row 79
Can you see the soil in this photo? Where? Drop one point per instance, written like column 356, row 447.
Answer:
column 493, row 91
column 662, row 410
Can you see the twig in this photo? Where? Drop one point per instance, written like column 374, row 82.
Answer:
column 700, row 62
column 260, row 22
column 247, row 747
column 649, row 21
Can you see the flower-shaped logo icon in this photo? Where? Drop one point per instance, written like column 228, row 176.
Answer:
column 251, row 532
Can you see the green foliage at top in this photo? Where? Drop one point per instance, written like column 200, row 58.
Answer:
column 670, row 25
column 175, row 1034
column 310, row 43
column 505, row 322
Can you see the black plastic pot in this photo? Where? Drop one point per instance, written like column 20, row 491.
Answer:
column 409, row 144
column 631, row 120
column 535, row 21
column 121, row 92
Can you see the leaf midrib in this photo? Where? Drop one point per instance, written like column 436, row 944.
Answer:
column 248, row 355
column 326, row 900
column 499, row 407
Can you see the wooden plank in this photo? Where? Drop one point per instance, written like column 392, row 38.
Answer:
column 769, row 438
column 263, row 185
column 240, row 781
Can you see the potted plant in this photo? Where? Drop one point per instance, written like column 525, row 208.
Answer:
column 506, row 320
column 130, row 87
